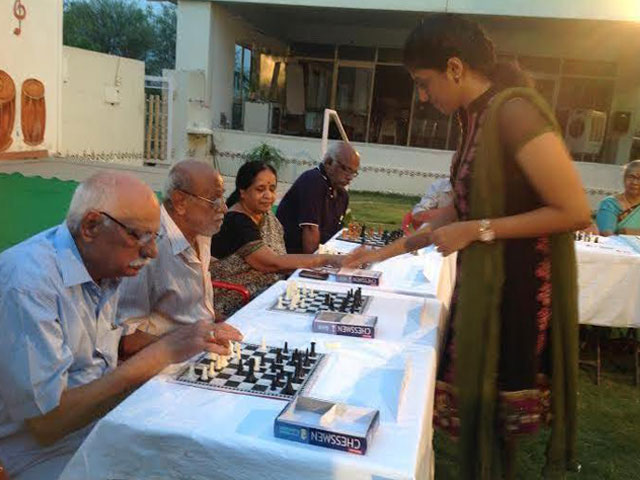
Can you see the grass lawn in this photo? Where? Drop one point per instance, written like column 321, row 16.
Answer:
column 380, row 209
column 609, row 414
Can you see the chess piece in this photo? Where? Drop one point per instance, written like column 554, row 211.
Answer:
column 191, row 376
column 251, row 378
column 212, row 369
column 312, row 353
column 306, row 362
column 285, row 350
column 280, row 305
column 203, row 376
column 278, row 359
column 240, row 368
column 288, row 388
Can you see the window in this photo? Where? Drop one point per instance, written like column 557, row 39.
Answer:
column 242, row 73
column 391, row 105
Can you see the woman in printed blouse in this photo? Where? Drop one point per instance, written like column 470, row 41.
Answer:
column 620, row 214
column 250, row 245
column 509, row 362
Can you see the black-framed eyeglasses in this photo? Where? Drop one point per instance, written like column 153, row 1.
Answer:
column 347, row 170
column 218, row 203
column 141, row 239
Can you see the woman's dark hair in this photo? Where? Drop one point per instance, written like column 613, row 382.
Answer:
column 441, row 36
column 245, row 177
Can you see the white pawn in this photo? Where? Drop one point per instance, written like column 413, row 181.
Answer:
column 191, row 376
column 280, row 305
column 257, row 359
column 263, row 345
column 219, row 363
column 303, row 304
column 238, row 351
column 204, row 377
column 212, row 369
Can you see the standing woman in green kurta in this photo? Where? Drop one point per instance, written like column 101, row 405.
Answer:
column 509, row 362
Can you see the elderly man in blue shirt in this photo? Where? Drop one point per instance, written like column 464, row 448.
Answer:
column 176, row 288
column 59, row 343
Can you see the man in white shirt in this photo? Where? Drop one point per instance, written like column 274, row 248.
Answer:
column 175, row 289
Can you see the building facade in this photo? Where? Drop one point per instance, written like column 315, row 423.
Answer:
column 270, row 68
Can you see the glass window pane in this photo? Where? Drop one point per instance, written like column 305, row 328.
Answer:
column 391, row 105
column 352, row 100
column 539, row 64
column 349, row 52
column 318, row 79
column 587, row 68
column 429, row 128
column 313, row 50
column 390, row 55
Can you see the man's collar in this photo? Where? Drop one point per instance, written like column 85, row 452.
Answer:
column 177, row 240
column 72, row 267
column 323, row 173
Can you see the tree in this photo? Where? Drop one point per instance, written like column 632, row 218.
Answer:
column 163, row 52
column 123, row 28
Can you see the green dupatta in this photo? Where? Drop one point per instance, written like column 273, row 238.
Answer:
column 478, row 318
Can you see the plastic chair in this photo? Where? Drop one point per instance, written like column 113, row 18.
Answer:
column 234, row 287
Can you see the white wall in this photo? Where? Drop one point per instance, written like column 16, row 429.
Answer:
column 599, row 180
column 207, row 34
column 35, row 53
column 103, row 106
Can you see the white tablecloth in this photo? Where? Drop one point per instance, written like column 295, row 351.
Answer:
column 609, row 283
column 168, row 430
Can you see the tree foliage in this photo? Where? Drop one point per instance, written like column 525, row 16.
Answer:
column 123, row 28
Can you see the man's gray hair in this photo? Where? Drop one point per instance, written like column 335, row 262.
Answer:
column 338, row 150
column 178, row 179
column 98, row 192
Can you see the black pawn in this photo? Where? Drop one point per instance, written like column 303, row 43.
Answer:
column 343, row 305
column 278, row 357
column 288, row 388
column 307, row 362
column 251, row 378
column 286, row 348
column 312, row 353
column 274, row 383
column 240, row 366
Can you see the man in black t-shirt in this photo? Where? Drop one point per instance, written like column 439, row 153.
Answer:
column 311, row 212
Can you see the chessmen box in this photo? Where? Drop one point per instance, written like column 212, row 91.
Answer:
column 358, row 276
column 327, row 424
column 343, row 323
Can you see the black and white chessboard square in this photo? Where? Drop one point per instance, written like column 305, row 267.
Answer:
column 229, row 380
column 373, row 239
column 314, row 302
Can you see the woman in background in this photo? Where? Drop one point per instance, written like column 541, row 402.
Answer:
column 250, row 245
column 620, row 214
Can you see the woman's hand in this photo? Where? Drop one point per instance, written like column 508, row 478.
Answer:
column 455, row 236
column 359, row 256
column 334, row 260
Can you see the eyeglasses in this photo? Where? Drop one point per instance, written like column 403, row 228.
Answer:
column 218, row 203
column 142, row 239
column 347, row 170
column 633, row 178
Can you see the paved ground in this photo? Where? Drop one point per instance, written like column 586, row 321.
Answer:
column 66, row 169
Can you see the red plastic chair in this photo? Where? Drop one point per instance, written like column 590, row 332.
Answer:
column 234, row 287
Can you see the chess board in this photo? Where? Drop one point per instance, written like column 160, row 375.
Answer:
column 314, row 303
column 373, row 238
column 228, row 380
column 587, row 237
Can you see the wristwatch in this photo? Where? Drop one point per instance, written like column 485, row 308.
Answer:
column 485, row 232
